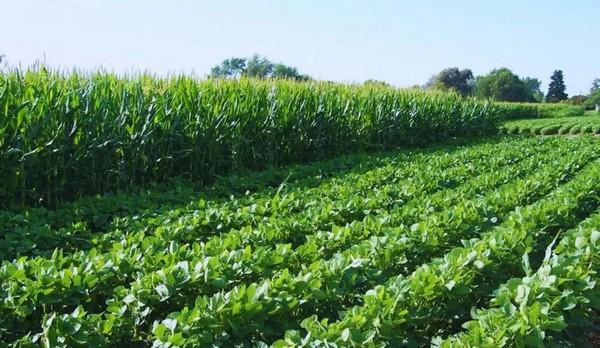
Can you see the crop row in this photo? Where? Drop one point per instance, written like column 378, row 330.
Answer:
column 436, row 297
column 118, row 265
column 536, row 309
column 323, row 285
column 96, row 213
column 513, row 111
column 41, row 233
column 569, row 125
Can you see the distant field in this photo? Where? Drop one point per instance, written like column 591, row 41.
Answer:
column 588, row 124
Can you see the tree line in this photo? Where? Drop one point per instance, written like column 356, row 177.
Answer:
column 257, row 67
column 500, row 84
column 504, row 85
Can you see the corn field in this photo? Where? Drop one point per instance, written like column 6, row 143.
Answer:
column 63, row 135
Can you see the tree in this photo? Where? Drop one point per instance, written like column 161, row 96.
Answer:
column 592, row 100
column 259, row 67
column 233, row 67
column 536, row 88
column 556, row 90
column 503, row 85
column 453, row 79
column 576, row 100
column 595, row 86
column 373, row 83
column 282, row 71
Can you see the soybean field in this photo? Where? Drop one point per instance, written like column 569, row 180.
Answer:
column 483, row 242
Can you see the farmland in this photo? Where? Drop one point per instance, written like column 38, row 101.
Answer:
column 358, row 250
column 172, row 212
column 66, row 136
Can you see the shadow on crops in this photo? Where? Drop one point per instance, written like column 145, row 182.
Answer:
column 73, row 225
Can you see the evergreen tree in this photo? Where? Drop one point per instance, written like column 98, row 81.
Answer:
column 556, row 90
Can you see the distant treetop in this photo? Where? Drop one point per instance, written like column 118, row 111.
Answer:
column 556, row 89
column 504, row 85
column 256, row 66
column 461, row 81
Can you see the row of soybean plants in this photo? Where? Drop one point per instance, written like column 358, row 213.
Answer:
column 570, row 125
column 256, row 289
column 284, row 218
column 81, row 223
column 263, row 310
column 436, row 298
column 78, row 224
column 555, row 305
column 64, row 135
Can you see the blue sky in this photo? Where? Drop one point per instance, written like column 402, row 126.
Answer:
column 402, row 42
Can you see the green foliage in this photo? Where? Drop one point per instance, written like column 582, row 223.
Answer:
column 592, row 100
column 233, row 67
column 536, row 86
column 511, row 111
column 436, row 297
column 357, row 251
column 460, row 81
column 576, row 100
column 561, row 125
column 595, row 86
column 372, row 82
column 256, row 67
column 62, row 136
column 528, row 311
column 282, row 71
column 549, row 110
column 557, row 88
column 503, row 85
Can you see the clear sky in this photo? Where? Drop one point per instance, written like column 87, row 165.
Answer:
column 402, row 42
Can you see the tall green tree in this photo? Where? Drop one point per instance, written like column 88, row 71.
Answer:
column 503, row 85
column 557, row 88
column 592, row 100
column 232, row 67
column 461, row 81
column 536, row 88
column 282, row 71
column 595, row 86
column 257, row 67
